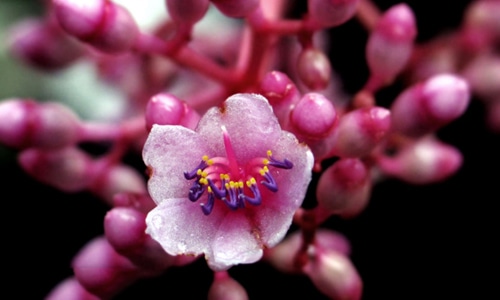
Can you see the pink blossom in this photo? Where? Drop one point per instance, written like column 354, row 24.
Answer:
column 230, row 188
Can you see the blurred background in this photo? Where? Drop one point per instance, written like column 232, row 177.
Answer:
column 412, row 242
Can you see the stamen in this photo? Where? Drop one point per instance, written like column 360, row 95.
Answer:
column 257, row 199
column 285, row 164
column 203, row 164
column 208, row 207
column 269, row 182
column 196, row 191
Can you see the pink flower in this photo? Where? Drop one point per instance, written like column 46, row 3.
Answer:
column 230, row 188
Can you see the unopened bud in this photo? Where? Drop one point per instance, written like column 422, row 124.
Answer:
column 359, row 131
column 345, row 187
column 224, row 287
column 329, row 13
column 428, row 106
column 422, row 162
column 187, row 11
column 282, row 94
column 333, row 274
column 167, row 109
column 26, row 123
column 313, row 68
column 390, row 44
column 38, row 44
column 483, row 75
column 103, row 24
column 101, row 270
column 67, row 169
column 70, row 288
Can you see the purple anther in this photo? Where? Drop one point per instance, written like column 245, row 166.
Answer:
column 196, row 191
column 219, row 193
column 270, row 183
column 193, row 174
column 209, row 205
column 257, row 198
column 285, row 164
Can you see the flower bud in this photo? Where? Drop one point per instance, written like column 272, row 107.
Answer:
column 70, row 288
column 101, row 270
column 283, row 256
column 483, row 75
column 344, row 188
column 282, row 94
column 42, row 46
column 359, row 131
column 422, row 162
column 236, row 8
column 167, row 109
column 390, row 44
column 329, row 13
column 481, row 25
column 103, row 24
column 26, row 123
column 125, row 229
column 67, row 169
column 224, row 287
column 117, row 179
column 314, row 116
column 427, row 106
column 313, row 68
column 333, row 274
column 187, row 11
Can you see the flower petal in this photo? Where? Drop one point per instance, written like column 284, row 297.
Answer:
column 275, row 214
column 250, row 122
column 168, row 152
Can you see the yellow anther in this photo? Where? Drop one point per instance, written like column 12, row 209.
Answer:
column 264, row 170
column 269, row 153
column 209, row 189
column 203, row 181
column 240, row 184
column 251, row 182
column 265, row 161
column 210, row 162
column 204, row 157
column 226, row 186
column 224, row 176
column 232, row 184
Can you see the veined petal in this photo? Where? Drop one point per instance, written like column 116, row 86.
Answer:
column 250, row 122
column 168, row 152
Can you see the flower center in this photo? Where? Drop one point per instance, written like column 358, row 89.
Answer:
column 223, row 179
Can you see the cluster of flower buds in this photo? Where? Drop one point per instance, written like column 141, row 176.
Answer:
column 231, row 131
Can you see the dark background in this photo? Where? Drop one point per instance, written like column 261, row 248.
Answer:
column 412, row 242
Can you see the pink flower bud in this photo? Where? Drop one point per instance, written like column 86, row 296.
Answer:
column 117, row 179
column 282, row 94
column 70, row 289
column 329, row 13
column 26, row 123
column 125, row 230
column 101, row 270
column 359, row 131
column 141, row 202
column 103, row 24
column 42, row 46
column 167, row 109
column 236, row 8
column 422, row 162
column 481, row 23
column 427, row 106
column 283, row 256
column 67, row 169
column 187, row 11
column 390, row 44
column 313, row 68
column 314, row 116
column 333, row 274
column 224, row 287
column 345, row 187
column 483, row 75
